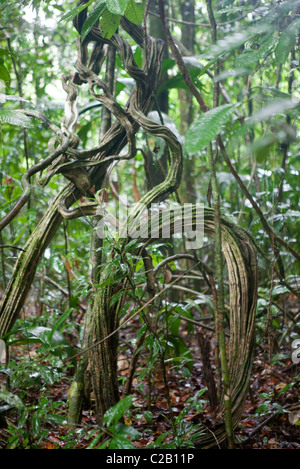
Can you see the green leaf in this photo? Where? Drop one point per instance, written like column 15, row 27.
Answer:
column 4, row 74
column 117, row 7
column 12, row 399
column 148, row 416
column 109, row 23
column 177, row 81
column 193, row 63
column 75, row 11
column 286, row 42
column 36, row 426
column 114, row 414
column 15, row 118
column 279, row 290
column 205, row 129
column 46, row 336
column 92, row 18
column 95, row 441
column 4, row 52
column 127, row 431
column 121, row 442
column 135, row 12
column 116, row 297
column 261, row 147
column 60, row 321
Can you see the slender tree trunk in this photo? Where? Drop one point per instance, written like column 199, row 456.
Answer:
column 156, row 167
column 188, row 191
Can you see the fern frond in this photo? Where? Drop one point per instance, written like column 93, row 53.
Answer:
column 15, row 118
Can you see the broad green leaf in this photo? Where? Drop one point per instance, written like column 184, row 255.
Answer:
column 201, row 298
column 15, row 118
column 181, row 351
column 246, row 60
column 121, row 442
column 192, row 61
column 92, row 18
column 261, row 147
column 114, row 414
column 4, row 74
column 127, row 430
column 148, row 416
column 11, row 399
column 279, row 290
column 4, row 52
column 283, row 48
column 51, row 339
column 280, row 11
column 177, row 81
column 207, row 127
column 135, row 12
column 117, row 7
column 109, row 23
column 287, row 41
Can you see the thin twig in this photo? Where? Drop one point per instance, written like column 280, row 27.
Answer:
column 12, row 247
column 179, row 60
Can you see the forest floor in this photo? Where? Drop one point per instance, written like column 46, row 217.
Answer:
column 268, row 428
column 271, row 419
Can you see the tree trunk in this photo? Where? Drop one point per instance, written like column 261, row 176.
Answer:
column 188, row 191
column 156, row 166
column 26, row 265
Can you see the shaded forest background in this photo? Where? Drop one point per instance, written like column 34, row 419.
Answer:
column 243, row 60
